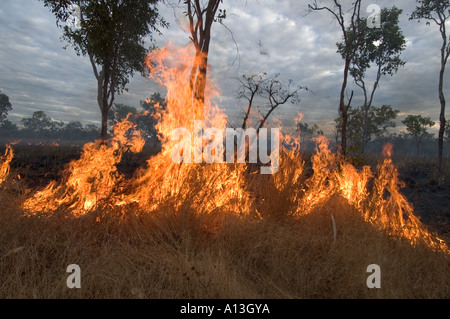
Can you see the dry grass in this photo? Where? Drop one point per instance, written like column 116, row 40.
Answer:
column 178, row 256
column 131, row 253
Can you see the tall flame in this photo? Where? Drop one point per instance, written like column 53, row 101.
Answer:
column 206, row 186
column 93, row 182
column 381, row 204
column 5, row 161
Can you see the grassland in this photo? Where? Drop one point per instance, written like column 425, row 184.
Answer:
column 136, row 254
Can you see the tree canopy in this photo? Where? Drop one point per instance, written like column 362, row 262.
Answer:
column 437, row 11
column 417, row 126
column 112, row 34
column 5, row 106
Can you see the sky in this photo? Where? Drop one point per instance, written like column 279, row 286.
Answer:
column 272, row 36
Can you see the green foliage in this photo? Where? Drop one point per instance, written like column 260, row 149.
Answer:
column 74, row 130
column 417, row 127
column 381, row 46
column 5, row 106
column 7, row 125
column 379, row 120
column 8, row 129
column 40, row 125
column 307, row 133
column 120, row 111
column 39, row 122
column 155, row 99
column 112, row 33
column 431, row 10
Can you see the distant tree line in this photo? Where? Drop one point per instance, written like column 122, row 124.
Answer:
column 415, row 141
column 41, row 126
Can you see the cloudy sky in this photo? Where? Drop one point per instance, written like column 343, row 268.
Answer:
column 273, row 36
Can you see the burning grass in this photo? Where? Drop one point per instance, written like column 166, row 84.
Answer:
column 183, row 230
column 167, row 255
column 176, row 251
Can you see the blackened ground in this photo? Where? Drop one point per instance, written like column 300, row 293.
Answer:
column 426, row 189
column 429, row 192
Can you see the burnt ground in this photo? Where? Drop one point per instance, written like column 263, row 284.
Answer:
column 429, row 193
column 426, row 190
column 38, row 165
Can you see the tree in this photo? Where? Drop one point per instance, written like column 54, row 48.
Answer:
column 416, row 125
column 154, row 99
column 360, row 132
column 447, row 130
column 39, row 124
column 5, row 106
column 147, row 120
column 91, row 131
column 7, row 128
column 144, row 119
column 382, row 48
column 353, row 38
column 201, row 18
column 437, row 11
column 120, row 111
column 73, row 130
column 264, row 95
column 249, row 90
column 111, row 33
column 307, row 132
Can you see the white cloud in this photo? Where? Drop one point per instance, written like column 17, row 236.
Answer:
column 271, row 36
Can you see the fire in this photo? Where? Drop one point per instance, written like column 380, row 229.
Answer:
column 388, row 208
column 171, row 68
column 5, row 161
column 208, row 186
column 381, row 204
column 93, row 182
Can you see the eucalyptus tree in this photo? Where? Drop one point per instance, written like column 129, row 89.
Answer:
column 112, row 34
column 437, row 11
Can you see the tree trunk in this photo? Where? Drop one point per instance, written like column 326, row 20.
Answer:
column 104, row 130
column 344, row 108
column 344, row 133
column 365, row 132
column 200, row 22
column 100, row 82
column 441, row 117
column 198, row 81
column 202, row 69
column 199, row 69
column 104, row 101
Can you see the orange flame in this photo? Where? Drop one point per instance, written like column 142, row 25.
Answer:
column 93, row 182
column 5, row 160
column 382, row 205
column 91, row 179
column 208, row 186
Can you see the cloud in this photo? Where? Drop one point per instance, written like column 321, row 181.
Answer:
column 260, row 36
column 37, row 73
